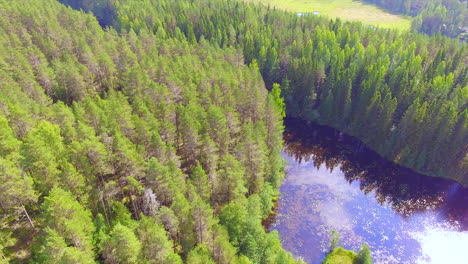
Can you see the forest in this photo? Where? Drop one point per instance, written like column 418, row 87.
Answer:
column 447, row 17
column 151, row 131
column 385, row 87
column 131, row 149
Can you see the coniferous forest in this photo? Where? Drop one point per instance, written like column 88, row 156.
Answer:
column 403, row 94
column 447, row 17
column 150, row 131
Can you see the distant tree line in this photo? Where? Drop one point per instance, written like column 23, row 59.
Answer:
column 447, row 17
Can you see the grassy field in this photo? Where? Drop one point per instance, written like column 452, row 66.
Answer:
column 345, row 9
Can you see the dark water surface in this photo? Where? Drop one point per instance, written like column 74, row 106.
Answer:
column 333, row 182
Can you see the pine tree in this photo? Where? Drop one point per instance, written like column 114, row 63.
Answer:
column 122, row 246
column 230, row 184
column 66, row 216
column 364, row 256
column 200, row 181
column 156, row 246
column 16, row 190
column 42, row 150
column 200, row 255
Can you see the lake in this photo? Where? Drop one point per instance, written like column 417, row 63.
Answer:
column 333, row 182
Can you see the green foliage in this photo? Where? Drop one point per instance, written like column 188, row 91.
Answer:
column 340, row 256
column 140, row 131
column 52, row 247
column 364, row 255
column 231, row 184
column 73, row 255
column 278, row 99
column 355, row 78
column 65, row 215
column 122, row 246
column 149, row 133
column 42, row 150
column 200, row 255
column 156, row 246
column 242, row 221
column 9, row 144
column 159, row 129
column 200, row 181
column 15, row 190
column 121, row 215
column 447, row 17
column 335, row 240
column 6, row 241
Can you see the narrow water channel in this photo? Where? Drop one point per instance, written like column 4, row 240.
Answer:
column 333, row 182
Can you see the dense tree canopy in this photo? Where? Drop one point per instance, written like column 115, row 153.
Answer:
column 387, row 88
column 126, row 147
column 448, row 17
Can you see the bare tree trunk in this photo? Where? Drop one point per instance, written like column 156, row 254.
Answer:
column 199, row 226
column 135, row 208
column 213, row 246
column 27, row 215
column 104, row 207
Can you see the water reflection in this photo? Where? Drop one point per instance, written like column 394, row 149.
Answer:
column 333, row 182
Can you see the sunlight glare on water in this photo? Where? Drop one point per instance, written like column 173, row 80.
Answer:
column 334, row 183
column 442, row 246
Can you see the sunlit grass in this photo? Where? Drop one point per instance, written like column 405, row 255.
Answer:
column 345, row 9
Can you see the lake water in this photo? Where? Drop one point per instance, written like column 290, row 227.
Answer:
column 335, row 183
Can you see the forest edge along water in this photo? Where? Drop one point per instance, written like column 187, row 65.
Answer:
column 334, row 182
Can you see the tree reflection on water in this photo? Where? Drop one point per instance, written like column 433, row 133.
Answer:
column 405, row 191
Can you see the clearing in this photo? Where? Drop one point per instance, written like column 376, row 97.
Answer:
column 345, row 9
